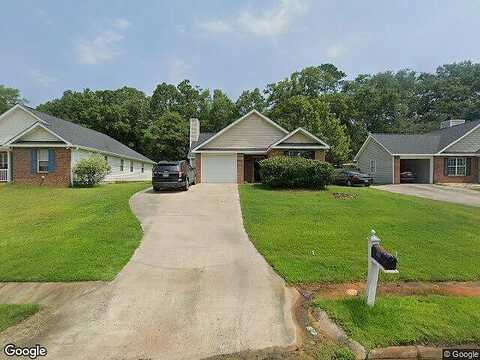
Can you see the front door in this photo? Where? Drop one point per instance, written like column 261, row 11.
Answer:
column 256, row 169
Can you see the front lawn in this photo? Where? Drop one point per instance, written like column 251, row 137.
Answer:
column 310, row 236
column 66, row 234
column 10, row 314
column 407, row 320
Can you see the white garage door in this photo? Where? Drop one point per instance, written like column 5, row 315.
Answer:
column 218, row 168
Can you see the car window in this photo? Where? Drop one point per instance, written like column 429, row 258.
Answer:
column 166, row 167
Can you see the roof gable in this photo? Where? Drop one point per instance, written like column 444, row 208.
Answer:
column 252, row 131
column 37, row 133
column 14, row 121
column 300, row 137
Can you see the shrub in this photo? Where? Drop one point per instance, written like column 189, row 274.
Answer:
column 296, row 172
column 90, row 171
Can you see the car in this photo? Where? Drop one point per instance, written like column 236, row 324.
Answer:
column 348, row 177
column 408, row 177
column 172, row 175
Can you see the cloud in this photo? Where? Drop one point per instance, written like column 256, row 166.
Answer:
column 178, row 70
column 215, row 26
column 336, row 51
column 104, row 46
column 121, row 24
column 42, row 79
column 272, row 22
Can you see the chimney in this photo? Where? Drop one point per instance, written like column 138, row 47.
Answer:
column 194, row 130
column 450, row 123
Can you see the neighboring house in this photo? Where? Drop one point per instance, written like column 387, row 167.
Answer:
column 232, row 154
column 447, row 155
column 36, row 148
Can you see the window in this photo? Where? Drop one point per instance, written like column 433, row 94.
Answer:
column 3, row 160
column 300, row 153
column 131, row 165
column 373, row 166
column 456, row 166
column 122, row 163
column 42, row 160
column 143, row 167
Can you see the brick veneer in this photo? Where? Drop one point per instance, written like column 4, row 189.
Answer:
column 440, row 177
column 198, row 168
column 240, row 169
column 22, row 165
column 396, row 173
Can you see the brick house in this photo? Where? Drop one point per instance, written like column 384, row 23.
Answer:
column 39, row 149
column 232, row 154
column 450, row 154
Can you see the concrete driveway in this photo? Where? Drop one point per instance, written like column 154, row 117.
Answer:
column 436, row 192
column 196, row 287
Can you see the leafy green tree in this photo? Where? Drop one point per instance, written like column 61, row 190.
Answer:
column 9, row 97
column 167, row 138
column 250, row 100
column 314, row 115
column 221, row 113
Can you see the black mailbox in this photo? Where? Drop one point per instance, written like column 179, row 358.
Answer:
column 388, row 261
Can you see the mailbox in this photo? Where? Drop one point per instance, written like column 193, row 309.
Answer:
column 385, row 259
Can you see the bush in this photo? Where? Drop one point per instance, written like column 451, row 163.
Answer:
column 296, row 172
column 90, row 171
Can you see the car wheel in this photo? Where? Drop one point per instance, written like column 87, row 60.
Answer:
column 156, row 189
column 187, row 185
column 349, row 182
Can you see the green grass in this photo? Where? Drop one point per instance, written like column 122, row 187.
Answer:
column 11, row 314
column 395, row 320
column 309, row 236
column 66, row 234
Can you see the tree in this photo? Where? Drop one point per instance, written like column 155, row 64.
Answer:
column 167, row 138
column 9, row 97
column 315, row 116
column 222, row 112
column 250, row 100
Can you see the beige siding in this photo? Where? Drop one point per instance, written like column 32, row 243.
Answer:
column 252, row 132
column 115, row 163
column 39, row 134
column 469, row 144
column 299, row 138
column 384, row 163
column 14, row 123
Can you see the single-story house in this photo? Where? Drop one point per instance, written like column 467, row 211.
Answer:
column 37, row 148
column 446, row 155
column 232, row 154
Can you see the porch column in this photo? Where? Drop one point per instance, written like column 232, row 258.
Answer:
column 396, row 170
column 240, row 169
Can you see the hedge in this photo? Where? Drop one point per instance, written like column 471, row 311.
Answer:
column 296, row 172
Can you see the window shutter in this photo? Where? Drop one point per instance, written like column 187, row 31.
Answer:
column 468, row 170
column 33, row 155
column 445, row 166
column 51, row 160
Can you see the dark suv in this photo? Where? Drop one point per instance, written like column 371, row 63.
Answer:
column 172, row 175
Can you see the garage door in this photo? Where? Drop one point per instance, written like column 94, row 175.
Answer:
column 219, row 168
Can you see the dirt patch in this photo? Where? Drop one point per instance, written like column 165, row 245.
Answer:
column 450, row 288
column 344, row 196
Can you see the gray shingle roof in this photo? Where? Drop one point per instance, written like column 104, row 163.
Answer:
column 81, row 136
column 201, row 138
column 429, row 143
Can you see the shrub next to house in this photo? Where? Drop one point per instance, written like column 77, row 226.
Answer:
column 296, row 172
column 90, row 171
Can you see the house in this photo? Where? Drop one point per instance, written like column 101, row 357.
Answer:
column 232, row 154
column 446, row 155
column 36, row 148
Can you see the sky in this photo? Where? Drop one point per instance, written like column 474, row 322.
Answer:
column 52, row 46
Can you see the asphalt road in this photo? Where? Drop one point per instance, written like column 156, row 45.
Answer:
column 196, row 287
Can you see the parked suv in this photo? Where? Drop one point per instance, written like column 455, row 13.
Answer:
column 172, row 175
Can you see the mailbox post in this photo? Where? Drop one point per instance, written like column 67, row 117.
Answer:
column 378, row 259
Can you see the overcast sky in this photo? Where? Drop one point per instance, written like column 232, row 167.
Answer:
column 51, row 46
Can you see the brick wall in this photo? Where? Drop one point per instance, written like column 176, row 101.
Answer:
column 198, row 168
column 22, row 165
column 274, row 152
column 440, row 177
column 396, row 167
column 240, row 169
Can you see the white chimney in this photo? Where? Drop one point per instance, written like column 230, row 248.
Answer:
column 194, row 130
column 450, row 123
